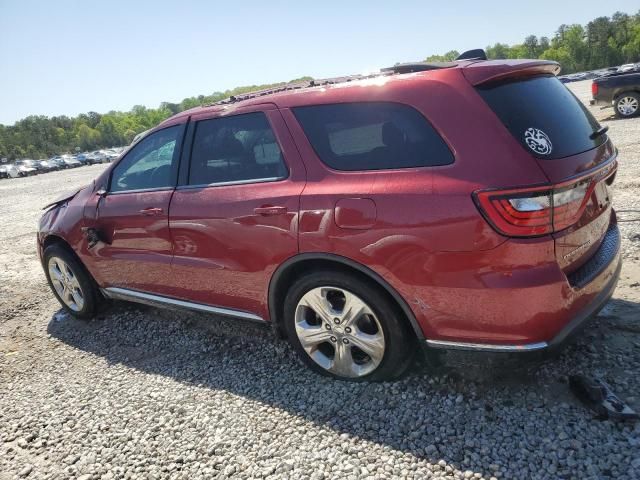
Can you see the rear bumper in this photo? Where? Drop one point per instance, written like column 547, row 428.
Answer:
column 592, row 287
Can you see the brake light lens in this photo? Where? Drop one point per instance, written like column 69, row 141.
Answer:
column 536, row 211
column 518, row 212
column 594, row 89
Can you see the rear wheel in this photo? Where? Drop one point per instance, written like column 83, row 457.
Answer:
column 344, row 327
column 627, row 105
column 71, row 284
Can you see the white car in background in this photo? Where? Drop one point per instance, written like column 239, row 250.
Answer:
column 627, row 67
column 15, row 171
column 25, row 168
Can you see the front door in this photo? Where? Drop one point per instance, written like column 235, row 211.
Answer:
column 236, row 217
column 132, row 216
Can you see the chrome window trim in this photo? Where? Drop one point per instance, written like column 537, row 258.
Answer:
column 485, row 347
column 236, row 182
column 168, row 302
column 142, row 190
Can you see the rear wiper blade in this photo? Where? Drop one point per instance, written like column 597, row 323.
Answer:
column 601, row 131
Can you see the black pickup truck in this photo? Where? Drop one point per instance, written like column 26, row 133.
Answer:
column 620, row 91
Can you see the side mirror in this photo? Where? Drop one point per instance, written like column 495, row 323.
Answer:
column 102, row 192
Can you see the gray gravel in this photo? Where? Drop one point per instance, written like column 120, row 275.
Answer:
column 146, row 393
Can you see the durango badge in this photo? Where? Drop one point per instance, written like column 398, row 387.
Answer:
column 538, row 141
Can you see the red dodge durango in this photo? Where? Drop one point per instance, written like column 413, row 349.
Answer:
column 455, row 205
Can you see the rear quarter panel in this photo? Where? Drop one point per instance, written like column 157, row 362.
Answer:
column 426, row 220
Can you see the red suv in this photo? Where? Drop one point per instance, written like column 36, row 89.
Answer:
column 460, row 205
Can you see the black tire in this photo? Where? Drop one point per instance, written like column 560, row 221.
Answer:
column 90, row 293
column 629, row 97
column 400, row 344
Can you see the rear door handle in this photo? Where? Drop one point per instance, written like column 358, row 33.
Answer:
column 270, row 210
column 151, row 211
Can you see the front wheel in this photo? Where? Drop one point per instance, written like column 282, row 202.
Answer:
column 71, row 284
column 627, row 105
column 347, row 328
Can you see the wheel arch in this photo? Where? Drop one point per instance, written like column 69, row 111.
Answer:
column 52, row 238
column 624, row 90
column 286, row 273
column 55, row 239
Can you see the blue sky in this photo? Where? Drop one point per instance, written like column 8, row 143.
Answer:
column 67, row 57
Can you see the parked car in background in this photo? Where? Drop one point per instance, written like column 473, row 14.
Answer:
column 620, row 91
column 98, row 156
column 70, row 162
column 35, row 164
column 14, row 171
column 628, row 67
column 48, row 166
column 83, row 158
column 363, row 220
column 111, row 154
column 58, row 162
column 3, row 171
column 26, row 168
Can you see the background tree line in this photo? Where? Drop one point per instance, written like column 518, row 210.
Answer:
column 603, row 42
column 39, row 136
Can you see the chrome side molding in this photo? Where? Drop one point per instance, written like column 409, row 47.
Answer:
column 483, row 347
column 173, row 303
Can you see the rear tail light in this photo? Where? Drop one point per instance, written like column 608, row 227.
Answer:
column 535, row 211
column 594, row 89
column 518, row 212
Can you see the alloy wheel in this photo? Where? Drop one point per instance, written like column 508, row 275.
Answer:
column 627, row 106
column 66, row 284
column 339, row 331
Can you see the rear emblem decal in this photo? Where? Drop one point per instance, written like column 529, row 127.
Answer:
column 538, row 141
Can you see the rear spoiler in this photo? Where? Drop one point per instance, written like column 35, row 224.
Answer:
column 479, row 73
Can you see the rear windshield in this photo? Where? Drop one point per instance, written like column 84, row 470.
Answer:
column 372, row 136
column 543, row 115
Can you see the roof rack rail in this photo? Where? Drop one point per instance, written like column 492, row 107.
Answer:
column 293, row 86
column 417, row 67
column 476, row 54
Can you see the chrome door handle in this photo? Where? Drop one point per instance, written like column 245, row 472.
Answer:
column 151, row 211
column 270, row 210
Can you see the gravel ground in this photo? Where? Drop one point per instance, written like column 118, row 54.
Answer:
column 146, row 393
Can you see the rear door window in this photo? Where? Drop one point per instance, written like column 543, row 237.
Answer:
column 240, row 148
column 544, row 116
column 372, row 136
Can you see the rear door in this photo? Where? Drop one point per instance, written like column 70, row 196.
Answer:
column 234, row 219
column 570, row 147
column 132, row 217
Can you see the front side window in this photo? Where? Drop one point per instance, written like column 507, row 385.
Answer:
column 242, row 148
column 372, row 136
column 151, row 163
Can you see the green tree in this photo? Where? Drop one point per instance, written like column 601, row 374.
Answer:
column 447, row 57
column 498, row 51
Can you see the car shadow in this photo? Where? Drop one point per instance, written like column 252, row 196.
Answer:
column 477, row 393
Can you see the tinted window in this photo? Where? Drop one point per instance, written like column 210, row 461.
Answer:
column 235, row 149
column 372, row 136
column 149, row 164
column 543, row 104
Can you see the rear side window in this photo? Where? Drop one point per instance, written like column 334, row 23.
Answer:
column 372, row 136
column 544, row 116
column 241, row 148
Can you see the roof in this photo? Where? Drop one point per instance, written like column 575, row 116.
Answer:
column 291, row 94
column 340, row 89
